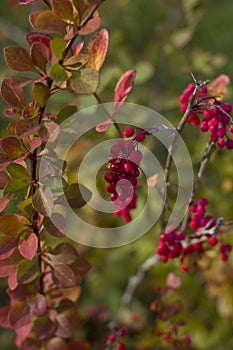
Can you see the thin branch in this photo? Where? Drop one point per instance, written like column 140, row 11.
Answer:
column 167, row 171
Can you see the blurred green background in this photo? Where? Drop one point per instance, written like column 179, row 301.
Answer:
column 164, row 40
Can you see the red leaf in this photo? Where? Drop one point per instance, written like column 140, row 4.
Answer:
column 78, row 48
column 9, row 265
column 63, row 276
column 79, row 345
column 38, row 305
column 44, row 327
column 36, row 37
column 8, row 245
column 218, row 86
column 97, row 49
column 91, row 26
column 25, row 2
column 47, row 22
column 3, row 203
column 12, row 280
column 14, row 96
column 103, row 126
column 63, row 9
column 28, row 246
column 12, row 146
column 26, row 127
column 22, row 334
column 18, row 58
column 19, row 314
column 4, row 179
column 57, row 231
column 123, row 87
column 4, row 321
column 40, row 55
column 4, row 161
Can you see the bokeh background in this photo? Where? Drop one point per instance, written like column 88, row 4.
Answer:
column 163, row 40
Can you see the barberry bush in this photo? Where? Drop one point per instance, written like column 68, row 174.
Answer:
column 173, row 286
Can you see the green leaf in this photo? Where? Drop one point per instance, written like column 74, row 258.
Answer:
column 58, row 47
column 63, row 276
column 16, row 189
column 63, row 9
column 17, row 171
column 76, row 62
column 97, row 49
column 58, row 73
column 48, row 22
column 44, row 327
column 40, row 55
column 40, row 94
column 42, row 201
column 18, row 58
column 85, row 81
column 13, row 147
column 19, row 314
column 26, row 208
column 65, row 113
column 11, row 224
column 28, row 270
column 57, row 343
column 75, row 197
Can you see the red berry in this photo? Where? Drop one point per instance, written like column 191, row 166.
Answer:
column 129, row 132
column 121, row 346
column 112, row 338
column 111, row 188
column 229, row 144
column 203, row 201
column 224, row 257
column 140, row 137
column 128, row 166
column 213, row 241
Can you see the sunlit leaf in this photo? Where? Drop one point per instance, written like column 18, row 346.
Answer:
column 97, row 49
column 58, row 47
column 91, row 26
column 124, row 87
column 18, row 58
column 28, row 246
column 218, row 87
column 58, row 73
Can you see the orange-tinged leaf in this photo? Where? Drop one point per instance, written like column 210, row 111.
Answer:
column 63, row 9
column 91, row 26
column 78, row 48
column 40, row 55
column 36, row 37
column 218, row 86
column 97, row 49
column 28, row 246
column 13, row 147
column 123, row 87
column 48, row 22
column 18, row 58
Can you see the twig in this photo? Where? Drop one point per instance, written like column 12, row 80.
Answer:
column 167, row 171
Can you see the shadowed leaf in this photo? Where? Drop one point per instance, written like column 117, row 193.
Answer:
column 4, row 320
column 38, row 304
column 18, row 58
column 81, row 267
column 63, row 9
column 77, row 195
column 42, row 201
column 4, row 179
column 19, row 315
column 27, row 127
column 64, row 253
column 97, row 49
column 11, row 95
column 60, row 229
column 48, row 22
column 12, row 147
column 44, row 327
column 63, row 276
column 28, row 271
column 40, row 55
column 36, row 37
column 85, row 81
column 65, row 113
column 16, row 189
column 57, row 344
column 40, row 94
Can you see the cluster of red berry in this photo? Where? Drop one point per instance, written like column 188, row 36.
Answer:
column 175, row 244
column 124, row 163
column 216, row 118
column 116, row 338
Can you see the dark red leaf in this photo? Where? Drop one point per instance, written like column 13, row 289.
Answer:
column 36, row 37
column 8, row 266
column 80, row 267
column 8, row 245
column 26, row 127
column 123, row 87
column 4, row 320
column 18, row 58
column 28, row 246
column 63, row 9
column 60, row 228
column 13, row 147
column 63, row 276
column 38, row 305
column 19, row 315
column 4, row 179
column 40, row 55
column 44, row 327
column 12, row 95
column 28, row 270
